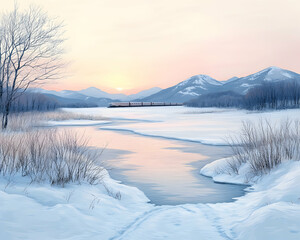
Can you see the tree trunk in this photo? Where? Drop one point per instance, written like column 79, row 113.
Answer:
column 5, row 116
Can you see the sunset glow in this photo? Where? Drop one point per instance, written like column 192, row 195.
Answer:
column 137, row 44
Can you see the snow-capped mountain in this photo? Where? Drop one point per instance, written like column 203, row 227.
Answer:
column 203, row 84
column 186, row 90
column 271, row 74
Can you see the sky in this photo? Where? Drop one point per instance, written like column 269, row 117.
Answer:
column 128, row 46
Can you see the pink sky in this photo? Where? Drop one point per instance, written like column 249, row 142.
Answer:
column 138, row 44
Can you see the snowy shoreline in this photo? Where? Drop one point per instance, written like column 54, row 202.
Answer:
column 83, row 211
column 269, row 210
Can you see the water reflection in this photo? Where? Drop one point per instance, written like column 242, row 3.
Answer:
column 167, row 171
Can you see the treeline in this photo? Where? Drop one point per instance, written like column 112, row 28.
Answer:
column 31, row 101
column 219, row 99
column 279, row 95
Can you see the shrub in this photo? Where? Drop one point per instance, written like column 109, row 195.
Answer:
column 265, row 145
column 48, row 155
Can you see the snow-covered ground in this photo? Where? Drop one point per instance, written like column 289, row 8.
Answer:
column 40, row 211
column 270, row 210
column 205, row 125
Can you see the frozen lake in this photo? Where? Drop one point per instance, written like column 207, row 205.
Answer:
column 159, row 150
column 204, row 125
column 167, row 171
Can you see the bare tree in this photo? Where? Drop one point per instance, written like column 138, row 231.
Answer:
column 30, row 53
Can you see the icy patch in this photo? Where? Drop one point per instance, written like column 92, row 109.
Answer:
column 76, row 123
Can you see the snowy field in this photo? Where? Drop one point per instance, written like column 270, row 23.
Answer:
column 270, row 210
column 205, row 125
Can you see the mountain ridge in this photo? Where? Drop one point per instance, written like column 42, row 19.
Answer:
column 186, row 90
column 198, row 85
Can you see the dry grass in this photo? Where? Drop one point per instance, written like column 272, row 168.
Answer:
column 265, row 145
column 24, row 121
column 48, row 155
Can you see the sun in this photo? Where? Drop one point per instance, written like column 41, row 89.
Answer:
column 119, row 89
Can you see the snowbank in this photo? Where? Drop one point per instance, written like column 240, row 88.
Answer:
column 271, row 208
column 40, row 211
column 220, row 171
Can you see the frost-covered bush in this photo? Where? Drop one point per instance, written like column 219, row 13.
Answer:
column 264, row 145
column 27, row 120
column 48, row 155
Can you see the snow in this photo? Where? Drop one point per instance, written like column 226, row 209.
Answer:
column 189, row 89
column 189, row 93
column 220, row 172
column 40, row 211
column 272, row 74
column 200, row 80
column 247, row 85
column 269, row 210
column 76, row 122
column 276, row 73
column 206, row 125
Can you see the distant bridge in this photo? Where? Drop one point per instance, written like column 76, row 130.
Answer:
column 143, row 104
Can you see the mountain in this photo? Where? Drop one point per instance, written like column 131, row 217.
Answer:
column 90, row 97
column 203, row 84
column 63, row 94
column 144, row 93
column 68, row 98
column 271, row 74
column 186, row 90
column 97, row 93
column 230, row 80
